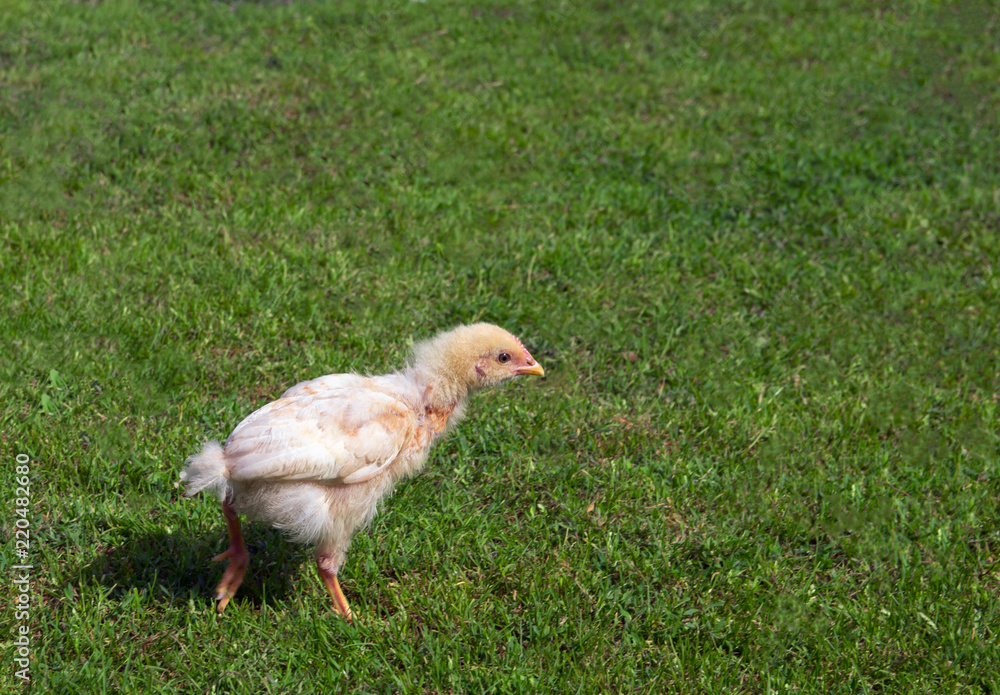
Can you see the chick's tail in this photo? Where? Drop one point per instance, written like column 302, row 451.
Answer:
column 207, row 471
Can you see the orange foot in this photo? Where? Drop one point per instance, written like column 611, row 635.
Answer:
column 233, row 576
column 237, row 556
column 329, row 577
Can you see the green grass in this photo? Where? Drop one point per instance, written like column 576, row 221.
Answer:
column 755, row 246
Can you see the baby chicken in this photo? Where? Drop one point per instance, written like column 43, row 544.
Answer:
column 316, row 462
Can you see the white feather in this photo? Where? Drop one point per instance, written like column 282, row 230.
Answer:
column 206, row 471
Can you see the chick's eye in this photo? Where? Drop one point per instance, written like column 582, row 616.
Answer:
column 503, row 357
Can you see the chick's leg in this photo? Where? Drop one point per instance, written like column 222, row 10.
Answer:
column 328, row 563
column 237, row 556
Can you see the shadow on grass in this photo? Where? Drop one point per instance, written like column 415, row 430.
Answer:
column 176, row 568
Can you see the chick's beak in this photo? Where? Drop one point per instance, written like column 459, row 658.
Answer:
column 528, row 364
column 534, row 369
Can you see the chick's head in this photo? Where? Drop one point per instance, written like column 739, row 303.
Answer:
column 477, row 356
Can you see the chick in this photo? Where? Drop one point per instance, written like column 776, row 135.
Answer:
column 316, row 462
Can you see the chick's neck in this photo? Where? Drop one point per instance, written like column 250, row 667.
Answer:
column 439, row 392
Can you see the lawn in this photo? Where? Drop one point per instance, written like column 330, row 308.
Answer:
column 755, row 245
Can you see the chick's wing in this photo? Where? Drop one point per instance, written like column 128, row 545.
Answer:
column 342, row 435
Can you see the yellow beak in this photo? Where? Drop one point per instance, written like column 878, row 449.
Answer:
column 535, row 369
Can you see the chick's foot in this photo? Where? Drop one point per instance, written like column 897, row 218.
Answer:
column 238, row 560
